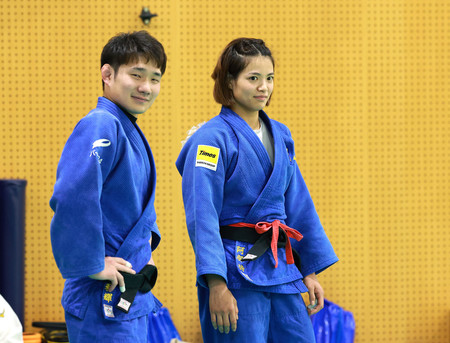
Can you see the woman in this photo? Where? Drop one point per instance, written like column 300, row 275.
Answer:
column 242, row 188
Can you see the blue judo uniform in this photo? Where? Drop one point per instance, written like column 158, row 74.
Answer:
column 228, row 178
column 104, row 206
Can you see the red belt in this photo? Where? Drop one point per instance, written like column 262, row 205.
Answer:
column 265, row 228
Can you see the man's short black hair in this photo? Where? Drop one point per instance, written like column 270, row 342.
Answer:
column 130, row 47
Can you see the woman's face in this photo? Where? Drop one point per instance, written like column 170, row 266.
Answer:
column 253, row 86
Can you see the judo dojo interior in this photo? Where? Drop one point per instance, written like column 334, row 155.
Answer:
column 363, row 86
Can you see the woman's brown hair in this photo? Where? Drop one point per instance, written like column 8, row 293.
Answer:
column 234, row 59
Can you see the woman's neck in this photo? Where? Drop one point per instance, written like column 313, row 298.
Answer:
column 252, row 119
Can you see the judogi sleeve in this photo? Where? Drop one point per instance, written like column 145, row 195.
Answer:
column 201, row 165
column 316, row 252
column 77, row 229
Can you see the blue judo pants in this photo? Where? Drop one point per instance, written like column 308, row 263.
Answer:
column 95, row 328
column 263, row 317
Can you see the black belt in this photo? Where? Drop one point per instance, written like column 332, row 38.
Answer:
column 261, row 242
column 142, row 282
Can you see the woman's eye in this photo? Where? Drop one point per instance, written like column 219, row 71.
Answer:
column 253, row 78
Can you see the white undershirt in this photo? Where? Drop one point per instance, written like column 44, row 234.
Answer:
column 266, row 139
column 259, row 132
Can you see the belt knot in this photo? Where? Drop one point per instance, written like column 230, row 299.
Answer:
column 275, row 227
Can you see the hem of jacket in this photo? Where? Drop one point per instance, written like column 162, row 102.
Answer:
column 82, row 272
column 319, row 267
column 292, row 287
column 80, row 311
column 202, row 272
column 275, row 282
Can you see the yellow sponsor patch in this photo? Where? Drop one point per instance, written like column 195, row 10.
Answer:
column 207, row 157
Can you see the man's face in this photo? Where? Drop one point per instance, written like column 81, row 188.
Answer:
column 134, row 87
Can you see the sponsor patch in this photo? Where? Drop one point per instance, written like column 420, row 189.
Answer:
column 207, row 157
column 250, row 257
column 124, row 304
column 109, row 312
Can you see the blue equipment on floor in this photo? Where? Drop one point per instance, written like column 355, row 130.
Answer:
column 161, row 328
column 333, row 324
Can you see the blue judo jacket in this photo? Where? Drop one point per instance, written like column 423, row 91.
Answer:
column 103, row 203
column 227, row 178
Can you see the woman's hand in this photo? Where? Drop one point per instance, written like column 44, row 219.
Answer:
column 111, row 272
column 222, row 305
column 315, row 292
column 151, row 257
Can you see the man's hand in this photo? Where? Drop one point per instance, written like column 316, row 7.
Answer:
column 315, row 292
column 114, row 265
column 222, row 305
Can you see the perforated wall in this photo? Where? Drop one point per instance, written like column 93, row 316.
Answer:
column 363, row 86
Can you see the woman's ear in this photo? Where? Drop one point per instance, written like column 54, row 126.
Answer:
column 230, row 81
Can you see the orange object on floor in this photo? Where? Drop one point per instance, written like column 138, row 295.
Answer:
column 30, row 337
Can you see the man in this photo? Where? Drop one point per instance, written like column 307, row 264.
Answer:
column 10, row 325
column 103, row 231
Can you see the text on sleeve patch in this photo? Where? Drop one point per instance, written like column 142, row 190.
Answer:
column 207, row 157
